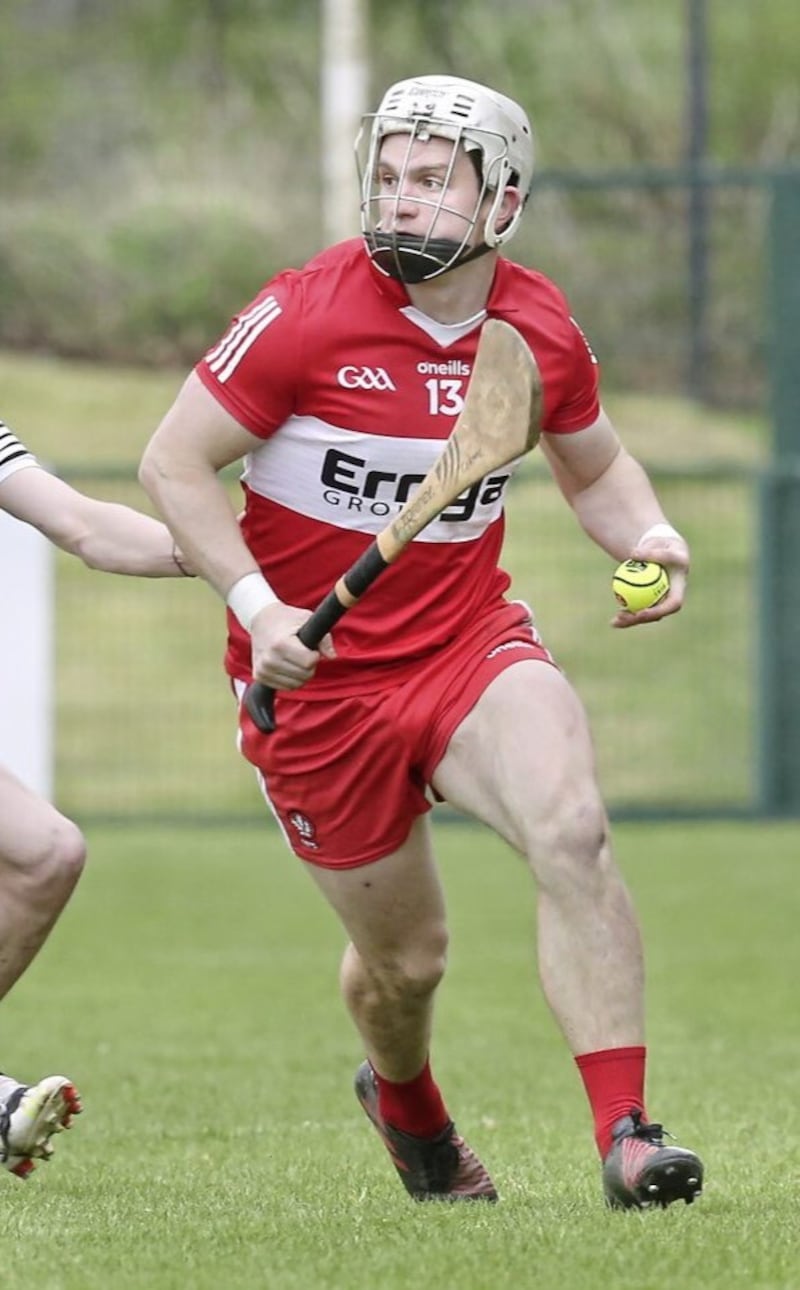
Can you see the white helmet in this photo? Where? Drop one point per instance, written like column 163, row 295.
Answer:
column 483, row 122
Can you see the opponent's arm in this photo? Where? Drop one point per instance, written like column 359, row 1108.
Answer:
column 104, row 535
column 616, row 505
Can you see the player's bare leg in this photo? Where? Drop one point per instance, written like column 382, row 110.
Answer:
column 393, row 911
column 522, row 761
column 41, row 858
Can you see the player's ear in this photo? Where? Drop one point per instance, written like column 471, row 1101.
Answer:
column 508, row 207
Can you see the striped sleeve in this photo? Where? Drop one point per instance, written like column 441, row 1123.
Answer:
column 253, row 370
column 13, row 454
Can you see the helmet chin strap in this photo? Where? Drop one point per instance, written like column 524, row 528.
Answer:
column 411, row 259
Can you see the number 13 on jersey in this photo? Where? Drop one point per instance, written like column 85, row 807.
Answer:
column 444, row 396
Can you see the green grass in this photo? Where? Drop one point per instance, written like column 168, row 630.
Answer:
column 191, row 990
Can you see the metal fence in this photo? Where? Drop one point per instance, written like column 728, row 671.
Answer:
column 700, row 714
column 146, row 721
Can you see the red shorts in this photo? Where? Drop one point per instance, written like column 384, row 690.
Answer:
column 347, row 777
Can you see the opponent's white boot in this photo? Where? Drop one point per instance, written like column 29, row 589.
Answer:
column 29, row 1116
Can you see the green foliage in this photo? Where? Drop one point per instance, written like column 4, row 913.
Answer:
column 179, row 274
column 755, row 95
column 605, row 83
column 153, row 285
column 199, row 121
column 191, row 991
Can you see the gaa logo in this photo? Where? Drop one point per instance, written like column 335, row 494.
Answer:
column 305, row 829
column 365, row 378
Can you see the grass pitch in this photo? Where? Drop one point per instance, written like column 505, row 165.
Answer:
column 191, row 991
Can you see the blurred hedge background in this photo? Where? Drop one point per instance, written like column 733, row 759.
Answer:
column 161, row 160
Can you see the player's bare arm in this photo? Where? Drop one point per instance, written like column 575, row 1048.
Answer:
column 616, row 505
column 180, row 472
column 104, row 535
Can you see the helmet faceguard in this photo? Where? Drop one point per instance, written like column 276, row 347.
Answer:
column 492, row 129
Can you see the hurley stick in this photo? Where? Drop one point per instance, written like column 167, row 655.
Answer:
column 499, row 422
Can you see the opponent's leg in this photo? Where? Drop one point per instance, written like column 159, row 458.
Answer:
column 522, row 762
column 41, row 858
column 393, row 911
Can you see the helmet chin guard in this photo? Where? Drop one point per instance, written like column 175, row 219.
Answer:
column 415, row 259
column 488, row 126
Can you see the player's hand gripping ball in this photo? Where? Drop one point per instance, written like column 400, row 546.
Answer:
column 639, row 585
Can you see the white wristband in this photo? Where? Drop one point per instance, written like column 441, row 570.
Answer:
column 660, row 530
column 248, row 597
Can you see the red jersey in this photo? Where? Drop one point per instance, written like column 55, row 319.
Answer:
column 353, row 390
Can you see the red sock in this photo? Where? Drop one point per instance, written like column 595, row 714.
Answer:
column 614, row 1083
column 415, row 1106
